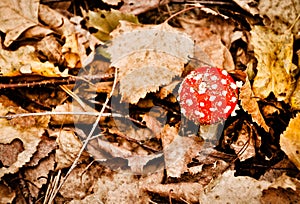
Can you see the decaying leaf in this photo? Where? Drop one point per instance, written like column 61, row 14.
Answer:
column 281, row 14
column 7, row 195
column 295, row 97
column 137, row 7
column 25, row 61
column 178, row 151
column 68, row 148
column 275, row 70
column 16, row 17
column 107, row 21
column 248, row 6
column 249, row 104
column 231, row 189
column 148, row 56
column 112, row 2
column 29, row 136
column 290, row 141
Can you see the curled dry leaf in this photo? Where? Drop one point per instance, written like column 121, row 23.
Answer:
column 249, row 104
column 16, row 17
column 148, row 56
column 30, row 137
column 290, row 141
column 275, row 70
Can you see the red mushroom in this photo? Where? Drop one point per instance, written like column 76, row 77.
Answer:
column 208, row 95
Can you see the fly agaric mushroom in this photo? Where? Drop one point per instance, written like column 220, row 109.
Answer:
column 208, row 95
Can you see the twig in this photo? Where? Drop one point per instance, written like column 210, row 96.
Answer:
column 74, row 164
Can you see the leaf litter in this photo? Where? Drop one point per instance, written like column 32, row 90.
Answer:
column 172, row 164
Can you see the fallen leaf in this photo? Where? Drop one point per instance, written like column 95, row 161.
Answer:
column 137, row 7
column 247, row 5
column 13, row 62
column 231, row 189
column 295, row 97
column 275, row 70
column 153, row 54
column 107, row 21
column 189, row 192
column 16, row 17
column 290, row 141
column 281, row 14
column 30, row 136
column 212, row 41
column 68, row 148
column 112, row 2
column 39, row 174
column 178, row 151
column 249, row 104
column 7, row 195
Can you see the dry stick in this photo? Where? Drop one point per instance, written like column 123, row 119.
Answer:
column 74, row 164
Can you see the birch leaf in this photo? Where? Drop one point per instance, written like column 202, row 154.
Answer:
column 148, row 56
column 275, row 70
column 290, row 141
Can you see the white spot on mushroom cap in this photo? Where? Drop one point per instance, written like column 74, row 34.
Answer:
column 227, row 109
column 213, row 109
column 233, row 86
column 198, row 77
column 239, row 84
column 183, row 111
column 233, row 99
column 237, row 107
column 202, row 88
column 192, row 90
column 199, row 113
column 223, row 81
column 219, row 103
column 189, row 102
column 224, row 72
column 202, row 104
column 214, row 77
column 224, row 93
column 214, row 86
column 212, row 98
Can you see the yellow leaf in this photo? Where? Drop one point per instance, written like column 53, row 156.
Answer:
column 290, row 140
column 148, row 56
column 107, row 21
column 275, row 70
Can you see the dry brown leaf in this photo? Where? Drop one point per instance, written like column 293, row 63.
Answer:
column 148, row 56
column 50, row 48
column 209, row 38
column 249, row 104
column 231, row 189
column 295, row 97
column 112, row 2
column 290, row 140
column 247, row 5
column 137, row 7
column 189, row 192
column 39, row 174
column 282, row 14
column 178, row 151
column 68, row 148
column 275, row 70
column 25, row 61
column 7, row 195
column 30, row 136
column 16, row 17
column 81, row 182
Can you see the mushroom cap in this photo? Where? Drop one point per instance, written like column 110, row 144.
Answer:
column 208, row 95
